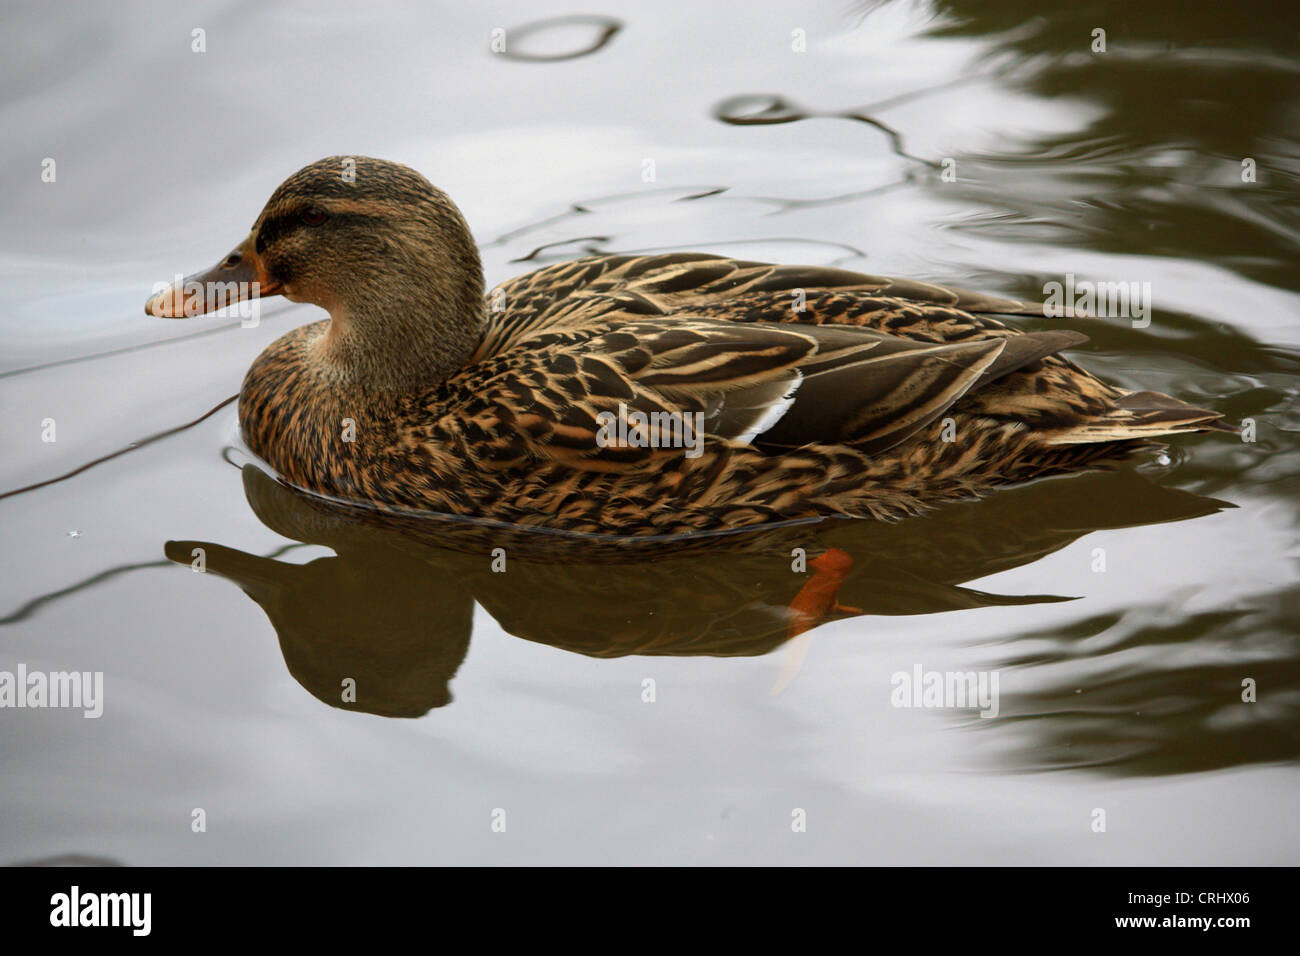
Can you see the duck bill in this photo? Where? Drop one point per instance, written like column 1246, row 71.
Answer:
column 238, row 277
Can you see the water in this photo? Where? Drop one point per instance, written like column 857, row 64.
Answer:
column 1122, row 166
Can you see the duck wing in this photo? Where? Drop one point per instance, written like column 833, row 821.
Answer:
column 694, row 283
column 685, row 278
column 560, row 395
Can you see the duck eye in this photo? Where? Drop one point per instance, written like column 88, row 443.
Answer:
column 313, row 215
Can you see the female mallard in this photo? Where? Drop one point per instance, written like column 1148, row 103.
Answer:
column 637, row 395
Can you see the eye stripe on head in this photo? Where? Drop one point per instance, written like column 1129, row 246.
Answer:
column 281, row 224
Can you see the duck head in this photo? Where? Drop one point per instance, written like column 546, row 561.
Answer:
column 372, row 242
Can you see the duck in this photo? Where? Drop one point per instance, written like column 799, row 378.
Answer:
column 623, row 395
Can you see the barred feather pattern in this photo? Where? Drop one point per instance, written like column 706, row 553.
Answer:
column 513, row 435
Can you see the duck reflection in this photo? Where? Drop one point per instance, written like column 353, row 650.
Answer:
column 383, row 625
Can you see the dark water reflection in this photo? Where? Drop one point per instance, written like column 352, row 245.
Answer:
column 1181, row 98
column 392, row 612
column 392, row 609
column 1163, row 716
column 1181, row 102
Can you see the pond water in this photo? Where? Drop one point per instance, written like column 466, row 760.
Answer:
column 654, row 711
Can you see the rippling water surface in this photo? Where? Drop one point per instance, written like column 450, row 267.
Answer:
column 1120, row 689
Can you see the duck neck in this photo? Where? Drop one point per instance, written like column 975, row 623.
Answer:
column 389, row 346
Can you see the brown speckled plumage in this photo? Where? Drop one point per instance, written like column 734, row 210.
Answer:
column 487, row 406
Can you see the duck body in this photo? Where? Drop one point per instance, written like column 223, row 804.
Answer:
column 644, row 395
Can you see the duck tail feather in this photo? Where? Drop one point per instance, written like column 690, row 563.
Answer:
column 1142, row 415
